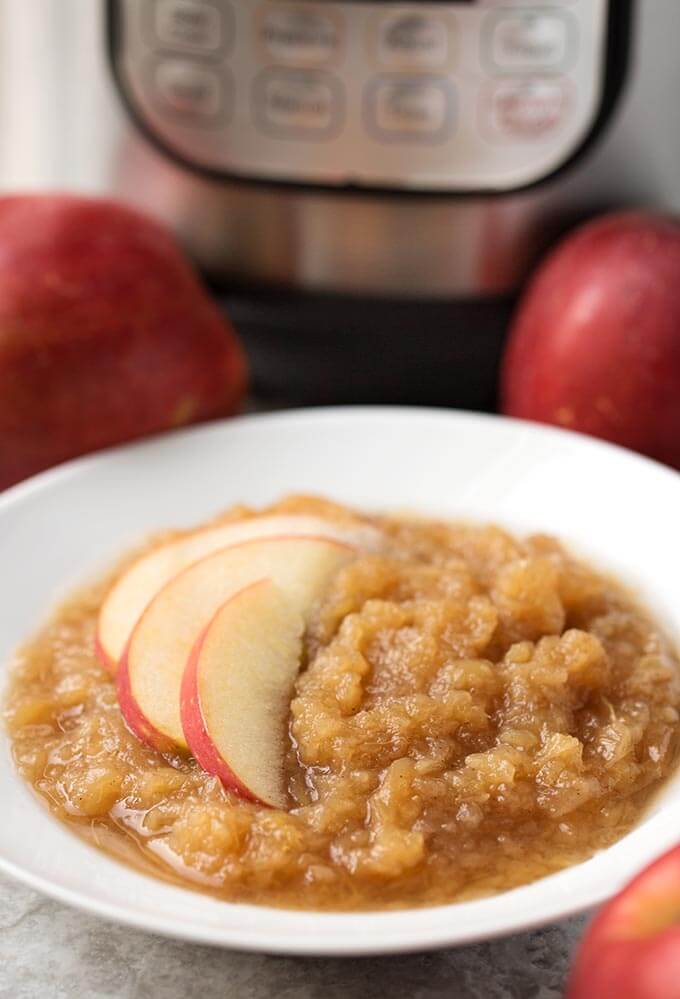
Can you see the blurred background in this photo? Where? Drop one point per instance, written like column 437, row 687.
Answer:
column 366, row 189
column 354, row 177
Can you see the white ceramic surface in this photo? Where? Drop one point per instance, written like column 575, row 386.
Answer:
column 57, row 529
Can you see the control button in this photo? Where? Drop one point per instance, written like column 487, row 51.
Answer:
column 298, row 104
column 415, row 41
column 411, row 109
column 189, row 90
column 530, row 41
column 189, row 26
column 528, row 109
column 300, row 35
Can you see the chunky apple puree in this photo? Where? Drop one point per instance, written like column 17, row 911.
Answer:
column 474, row 712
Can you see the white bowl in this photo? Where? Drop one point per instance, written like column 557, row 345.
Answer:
column 615, row 508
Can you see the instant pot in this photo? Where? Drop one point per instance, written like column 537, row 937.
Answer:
column 365, row 184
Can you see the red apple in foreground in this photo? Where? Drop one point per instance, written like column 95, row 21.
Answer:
column 106, row 334
column 632, row 949
column 595, row 344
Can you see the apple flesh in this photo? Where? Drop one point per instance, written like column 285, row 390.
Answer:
column 106, row 334
column 595, row 344
column 632, row 949
column 150, row 673
column 131, row 594
column 237, row 688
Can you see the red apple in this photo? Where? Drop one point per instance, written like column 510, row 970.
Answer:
column 632, row 949
column 595, row 344
column 106, row 334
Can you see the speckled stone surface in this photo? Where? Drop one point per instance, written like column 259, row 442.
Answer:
column 51, row 952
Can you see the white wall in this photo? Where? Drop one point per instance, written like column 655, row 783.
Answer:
column 59, row 116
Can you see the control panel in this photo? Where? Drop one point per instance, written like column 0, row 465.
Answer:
column 483, row 95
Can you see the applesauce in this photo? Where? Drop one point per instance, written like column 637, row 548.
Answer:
column 474, row 711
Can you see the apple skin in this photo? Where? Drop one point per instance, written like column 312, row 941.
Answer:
column 632, row 948
column 595, row 343
column 106, row 333
column 135, row 719
column 203, row 749
column 103, row 657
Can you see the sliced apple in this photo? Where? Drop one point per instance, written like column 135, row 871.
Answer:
column 151, row 668
column 237, row 688
column 131, row 594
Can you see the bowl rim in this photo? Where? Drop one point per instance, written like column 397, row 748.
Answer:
column 351, row 938
column 74, row 465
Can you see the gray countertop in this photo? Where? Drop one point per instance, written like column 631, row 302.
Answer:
column 48, row 951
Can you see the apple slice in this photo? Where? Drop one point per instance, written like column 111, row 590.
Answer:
column 237, row 688
column 130, row 595
column 151, row 669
